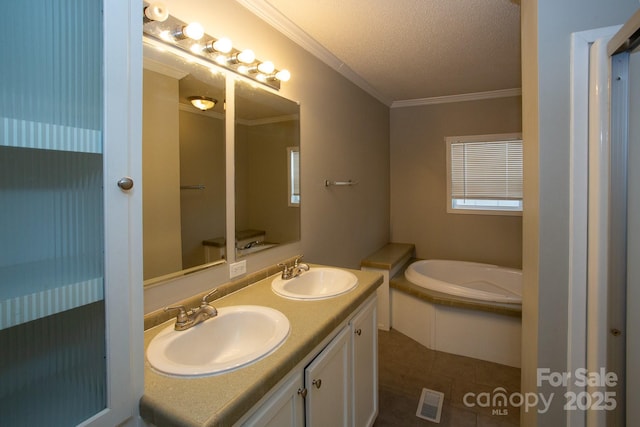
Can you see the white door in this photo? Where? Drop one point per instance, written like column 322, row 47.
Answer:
column 603, row 255
column 327, row 380
column 364, row 335
column 633, row 249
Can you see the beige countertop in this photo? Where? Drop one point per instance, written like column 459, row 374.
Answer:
column 388, row 256
column 223, row 399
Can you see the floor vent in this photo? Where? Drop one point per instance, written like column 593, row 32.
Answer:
column 430, row 405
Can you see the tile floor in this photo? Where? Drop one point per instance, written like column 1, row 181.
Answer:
column 405, row 367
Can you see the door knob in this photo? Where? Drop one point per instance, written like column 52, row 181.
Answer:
column 125, row 183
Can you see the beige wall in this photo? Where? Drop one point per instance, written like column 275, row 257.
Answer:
column 162, row 252
column 418, row 183
column 202, row 154
column 261, row 181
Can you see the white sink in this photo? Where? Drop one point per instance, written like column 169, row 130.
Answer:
column 317, row 283
column 236, row 337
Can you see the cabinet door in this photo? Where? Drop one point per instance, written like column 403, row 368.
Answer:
column 70, row 296
column 365, row 366
column 284, row 409
column 327, row 380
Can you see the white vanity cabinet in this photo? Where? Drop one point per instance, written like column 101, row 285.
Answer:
column 336, row 385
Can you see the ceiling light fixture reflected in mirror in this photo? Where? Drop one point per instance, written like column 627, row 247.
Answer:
column 202, row 103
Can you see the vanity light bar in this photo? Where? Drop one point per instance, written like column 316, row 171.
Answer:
column 161, row 26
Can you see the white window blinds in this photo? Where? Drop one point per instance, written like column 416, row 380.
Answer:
column 486, row 170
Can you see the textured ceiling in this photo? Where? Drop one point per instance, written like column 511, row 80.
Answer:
column 414, row 49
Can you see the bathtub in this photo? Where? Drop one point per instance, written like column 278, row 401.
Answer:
column 482, row 282
column 458, row 307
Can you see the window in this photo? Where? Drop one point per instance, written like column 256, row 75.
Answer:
column 484, row 174
column 293, row 161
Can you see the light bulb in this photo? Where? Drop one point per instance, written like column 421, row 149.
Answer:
column 223, row 45
column 166, row 36
column 283, row 75
column 243, row 69
column 246, row 56
column 266, row 67
column 156, row 11
column 196, row 48
column 193, row 31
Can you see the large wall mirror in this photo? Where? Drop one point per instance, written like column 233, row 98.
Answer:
column 267, row 169
column 184, row 215
column 184, row 176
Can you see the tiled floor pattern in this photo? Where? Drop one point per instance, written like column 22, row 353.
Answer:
column 406, row 367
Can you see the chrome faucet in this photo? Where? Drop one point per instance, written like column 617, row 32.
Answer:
column 295, row 270
column 186, row 319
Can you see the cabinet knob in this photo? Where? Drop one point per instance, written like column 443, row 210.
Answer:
column 125, row 183
column 358, row 332
column 317, row 383
column 302, row 392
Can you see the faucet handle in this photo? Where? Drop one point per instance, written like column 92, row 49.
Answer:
column 297, row 260
column 286, row 274
column 182, row 313
column 205, row 299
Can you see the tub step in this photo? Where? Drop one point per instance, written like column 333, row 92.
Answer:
column 430, row 405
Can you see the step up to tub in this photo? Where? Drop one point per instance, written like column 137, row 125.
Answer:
column 388, row 260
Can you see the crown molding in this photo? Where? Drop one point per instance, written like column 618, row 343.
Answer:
column 265, row 11
column 475, row 96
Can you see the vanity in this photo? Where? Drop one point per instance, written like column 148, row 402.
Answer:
column 221, row 166
column 312, row 379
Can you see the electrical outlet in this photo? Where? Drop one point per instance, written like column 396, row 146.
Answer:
column 238, row 268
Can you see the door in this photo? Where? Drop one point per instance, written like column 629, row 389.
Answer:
column 633, row 245
column 68, row 307
column 327, row 380
column 364, row 336
column 284, row 409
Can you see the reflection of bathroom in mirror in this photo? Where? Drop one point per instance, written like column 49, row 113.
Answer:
column 183, row 165
column 267, row 147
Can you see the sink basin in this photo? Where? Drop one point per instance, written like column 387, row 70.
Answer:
column 236, row 337
column 317, row 283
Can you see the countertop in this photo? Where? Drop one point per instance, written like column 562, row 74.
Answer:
column 388, row 256
column 223, row 399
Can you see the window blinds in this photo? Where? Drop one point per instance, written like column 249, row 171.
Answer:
column 486, row 170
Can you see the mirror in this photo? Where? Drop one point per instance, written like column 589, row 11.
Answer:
column 184, row 214
column 267, row 172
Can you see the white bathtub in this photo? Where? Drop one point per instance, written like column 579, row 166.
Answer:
column 463, row 329
column 483, row 282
